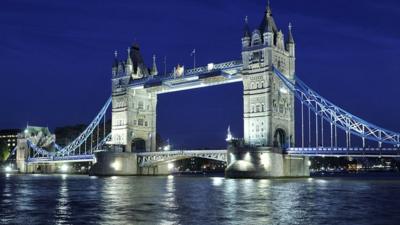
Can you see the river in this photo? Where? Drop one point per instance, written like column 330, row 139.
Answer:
column 79, row 199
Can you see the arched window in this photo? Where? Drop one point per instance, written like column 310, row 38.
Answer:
column 252, row 85
column 262, row 107
column 258, row 108
column 252, row 108
column 145, row 124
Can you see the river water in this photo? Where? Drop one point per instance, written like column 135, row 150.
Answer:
column 73, row 199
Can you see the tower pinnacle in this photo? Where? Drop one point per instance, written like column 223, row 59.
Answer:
column 290, row 35
column 129, row 60
column 154, row 70
column 246, row 29
column 115, row 64
column 269, row 12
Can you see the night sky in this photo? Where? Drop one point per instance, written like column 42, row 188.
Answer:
column 56, row 57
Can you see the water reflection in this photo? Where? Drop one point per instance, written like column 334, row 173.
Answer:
column 63, row 208
column 194, row 200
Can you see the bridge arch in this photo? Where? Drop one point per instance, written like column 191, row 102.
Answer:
column 138, row 145
column 280, row 138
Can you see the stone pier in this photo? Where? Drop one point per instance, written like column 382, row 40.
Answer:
column 124, row 163
column 263, row 162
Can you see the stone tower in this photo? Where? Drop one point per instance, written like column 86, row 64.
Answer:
column 133, row 109
column 268, row 105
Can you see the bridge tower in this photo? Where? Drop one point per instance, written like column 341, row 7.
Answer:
column 268, row 106
column 133, row 109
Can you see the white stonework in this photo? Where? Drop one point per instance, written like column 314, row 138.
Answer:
column 268, row 105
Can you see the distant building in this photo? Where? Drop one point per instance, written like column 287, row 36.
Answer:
column 9, row 136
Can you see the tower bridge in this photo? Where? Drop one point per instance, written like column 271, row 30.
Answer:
column 270, row 146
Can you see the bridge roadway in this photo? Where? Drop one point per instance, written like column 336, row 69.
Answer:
column 152, row 158
column 344, row 152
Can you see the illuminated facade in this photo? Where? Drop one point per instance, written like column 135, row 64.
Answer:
column 268, row 106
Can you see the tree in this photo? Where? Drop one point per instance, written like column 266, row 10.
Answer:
column 4, row 151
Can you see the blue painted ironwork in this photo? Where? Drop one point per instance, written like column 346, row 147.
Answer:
column 336, row 115
column 86, row 133
column 152, row 80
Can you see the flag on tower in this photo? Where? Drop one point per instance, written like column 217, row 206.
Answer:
column 193, row 52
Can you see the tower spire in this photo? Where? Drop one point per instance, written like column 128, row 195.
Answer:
column 154, row 70
column 115, row 64
column 129, row 60
column 290, row 35
column 269, row 12
column 246, row 29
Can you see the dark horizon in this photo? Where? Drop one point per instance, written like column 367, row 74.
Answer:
column 57, row 57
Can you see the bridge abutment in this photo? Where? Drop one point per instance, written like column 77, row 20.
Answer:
column 125, row 164
column 246, row 161
column 115, row 163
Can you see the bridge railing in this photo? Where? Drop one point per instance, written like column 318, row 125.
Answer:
column 151, row 158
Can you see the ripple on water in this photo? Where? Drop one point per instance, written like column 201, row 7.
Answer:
column 195, row 200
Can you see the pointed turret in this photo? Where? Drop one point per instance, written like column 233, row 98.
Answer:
column 268, row 33
column 154, row 70
column 139, row 68
column 246, row 29
column 290, row 45
column 246, row 34
column 115, row 64
column 128, row 65
column 290, row 35
column 268, row 22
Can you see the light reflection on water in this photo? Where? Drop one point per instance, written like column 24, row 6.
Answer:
column 57, row 199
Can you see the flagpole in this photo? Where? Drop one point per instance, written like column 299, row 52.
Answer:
column 194, row 57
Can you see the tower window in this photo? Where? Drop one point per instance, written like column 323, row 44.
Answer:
column 140, row 122
column 258, row 108
column 140, row 105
